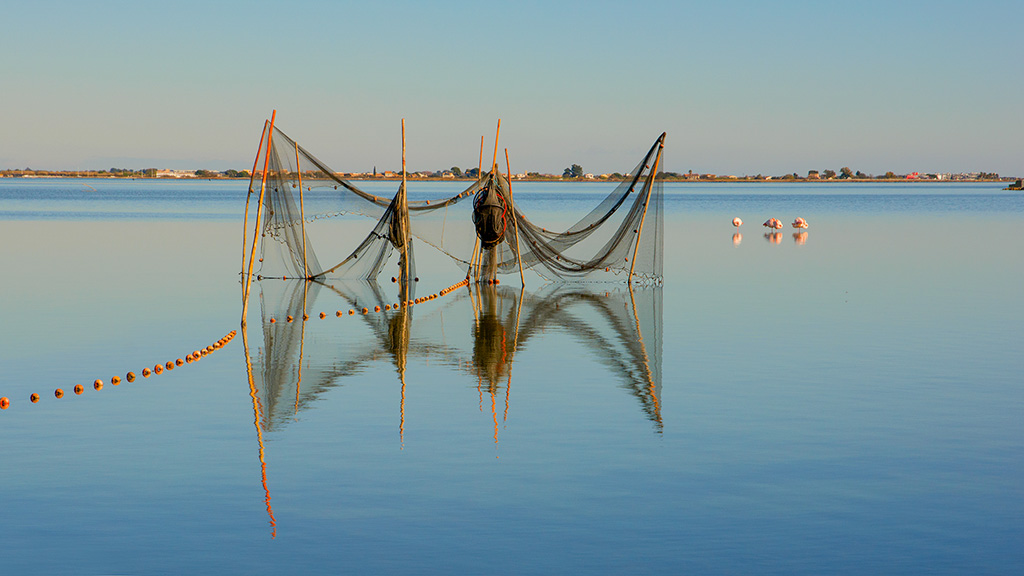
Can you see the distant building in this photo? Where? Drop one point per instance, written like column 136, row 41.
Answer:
column 175, row 174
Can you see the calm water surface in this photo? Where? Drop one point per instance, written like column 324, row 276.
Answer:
column 849, row 401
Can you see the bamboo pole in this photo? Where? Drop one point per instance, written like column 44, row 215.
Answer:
column 515, row 221
column 245, row 219
column 472, row 258
column 494, row 161
column 647, row 201
column 302, row 213
column 480, row 166
column 403, row 218
column 259, row 212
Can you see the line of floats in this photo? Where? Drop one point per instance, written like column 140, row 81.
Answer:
column 196, row 355
column 157, row 369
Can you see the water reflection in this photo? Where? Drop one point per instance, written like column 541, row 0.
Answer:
column 773, row 237
column 800, row 238
column 325, row 345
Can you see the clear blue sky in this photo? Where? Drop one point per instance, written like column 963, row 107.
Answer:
column 740, row 87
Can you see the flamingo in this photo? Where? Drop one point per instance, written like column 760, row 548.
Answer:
column 776, row 223
column 737, row 222
column 800, row 223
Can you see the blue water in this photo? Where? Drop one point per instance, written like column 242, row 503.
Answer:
column 849, row 401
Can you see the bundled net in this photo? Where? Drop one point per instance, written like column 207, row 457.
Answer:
column 479, row 228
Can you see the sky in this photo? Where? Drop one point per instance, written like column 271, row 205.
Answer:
column 740, row 87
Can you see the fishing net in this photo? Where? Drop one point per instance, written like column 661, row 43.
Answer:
column 310, row 214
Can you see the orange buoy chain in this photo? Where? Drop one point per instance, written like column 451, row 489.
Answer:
column 130, row 376
column 386, row 307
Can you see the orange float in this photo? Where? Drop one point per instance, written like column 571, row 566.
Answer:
column 4, row 403
column 58, row 393
column 79, row 389
column 98, row 385
column 34, row 398
column 130, row 376
column 146, row 372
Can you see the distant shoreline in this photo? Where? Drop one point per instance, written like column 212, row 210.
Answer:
column 748, row 180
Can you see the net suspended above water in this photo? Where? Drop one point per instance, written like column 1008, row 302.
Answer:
column 302, row 203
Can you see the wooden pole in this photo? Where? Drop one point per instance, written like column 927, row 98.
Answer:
column 515, row 221
column 259, row 212
column 494, row 161
column 302, row 213
column 245, row 219
column 403, row 218
column 480, row 166
column 472, row 259
column 647, row 201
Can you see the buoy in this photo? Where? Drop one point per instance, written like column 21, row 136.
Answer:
column 130, row 376
column 188, row 358
column 387, row 307
column 366, row 310
column 351, row 312
column 34, row 398
column 272, row 320
column 322, row 315
column 4, row 403
column 338, row 314
column 416, row 279
column 305, row 317
column 98, row 385
column 179, row 362
column 290, row 318
column 376, row 308
column 115, row 380
column 393, row 279
column 169, row 365
column 146, row 372
column 58, row 393
column 395, row 306
column 196, row 355
column 158, row 369
column 209, row 348
column 79, row 389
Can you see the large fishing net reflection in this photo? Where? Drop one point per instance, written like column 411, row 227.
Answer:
column 317, row 335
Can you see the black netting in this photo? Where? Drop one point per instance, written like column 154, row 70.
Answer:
column 310, row 214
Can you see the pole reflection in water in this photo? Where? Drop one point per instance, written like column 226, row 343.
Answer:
column 316, row 336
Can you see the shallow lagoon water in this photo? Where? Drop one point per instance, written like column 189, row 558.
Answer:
column 851, row 403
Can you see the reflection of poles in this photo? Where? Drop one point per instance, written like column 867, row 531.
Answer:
column 515, row 347
column 647, row 201
column 259, row 431
column 259, row 212
column 302, row 214
column 302, row 343
column 245, row 219
column 647, row 362
column 515, row 220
